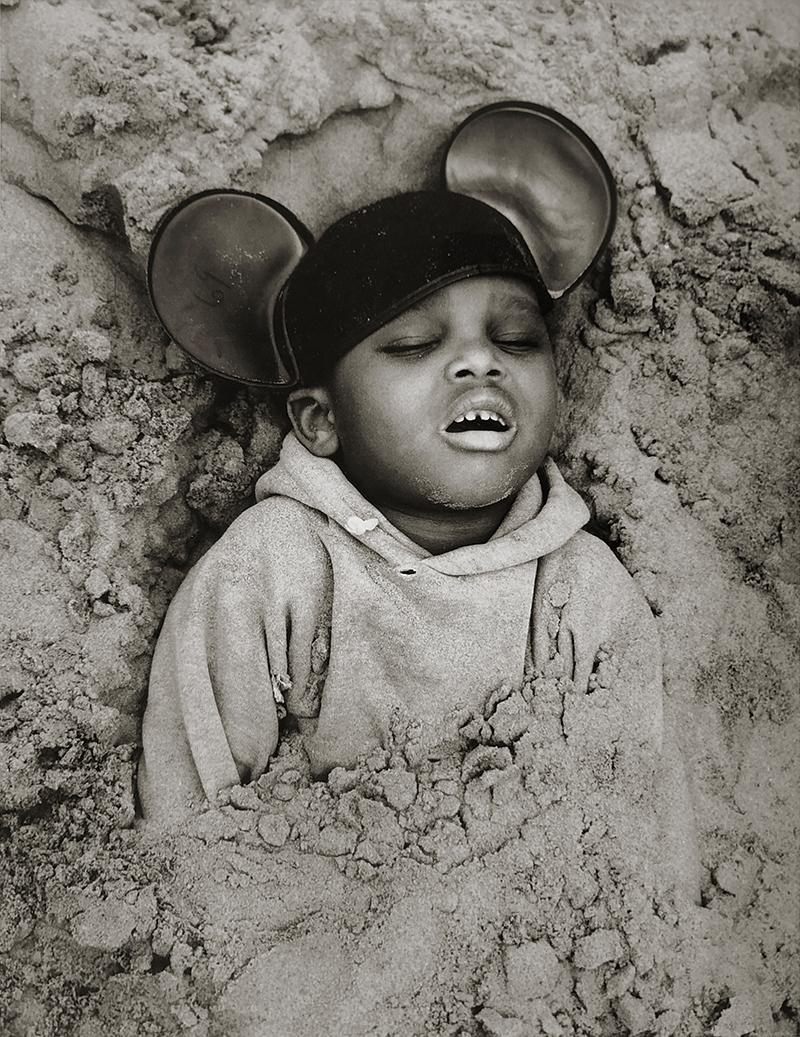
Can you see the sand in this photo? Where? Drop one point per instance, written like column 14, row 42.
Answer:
column 510, row 885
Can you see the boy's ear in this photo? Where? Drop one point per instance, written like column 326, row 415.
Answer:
column 311, row 414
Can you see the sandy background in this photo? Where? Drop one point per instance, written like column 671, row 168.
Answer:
column 508, row 887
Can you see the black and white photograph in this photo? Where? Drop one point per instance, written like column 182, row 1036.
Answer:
column 399, row 559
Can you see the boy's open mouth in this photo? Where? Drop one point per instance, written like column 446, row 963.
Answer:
column 480, row 428
column 478, row 421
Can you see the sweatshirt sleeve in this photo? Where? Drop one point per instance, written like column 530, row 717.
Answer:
column 593, row 624
column 211, row 718
column 592, row 621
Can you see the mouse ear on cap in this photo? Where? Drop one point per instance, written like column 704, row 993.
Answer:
column 217, row 264
column 545, row 175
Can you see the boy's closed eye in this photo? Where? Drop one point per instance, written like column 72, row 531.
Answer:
column 518, row 331
column 411, row 345
column 518, row 341
column 521, row 340
column 519, row 335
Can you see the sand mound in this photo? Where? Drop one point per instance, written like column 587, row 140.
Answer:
column 508, row 882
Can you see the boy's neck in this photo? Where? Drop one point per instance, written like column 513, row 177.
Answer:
column 446, row 529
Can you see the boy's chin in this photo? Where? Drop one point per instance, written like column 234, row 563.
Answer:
column 483, row 491
column 474, row 498
column 481, row 483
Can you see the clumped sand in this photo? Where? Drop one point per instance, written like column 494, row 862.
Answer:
column 509, row 883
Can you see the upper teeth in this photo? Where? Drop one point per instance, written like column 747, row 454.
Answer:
column 484, row 415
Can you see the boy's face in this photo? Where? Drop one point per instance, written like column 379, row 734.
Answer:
column 453, row 403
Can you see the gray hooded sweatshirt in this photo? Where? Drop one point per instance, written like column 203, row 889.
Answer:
column 312, row 602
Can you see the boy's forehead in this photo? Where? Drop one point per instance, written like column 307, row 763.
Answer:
column 508, row 293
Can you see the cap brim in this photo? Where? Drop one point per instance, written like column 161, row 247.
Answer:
column 547, row 176
column 217, row 263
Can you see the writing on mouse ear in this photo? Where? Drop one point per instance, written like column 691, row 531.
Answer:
column 208, row 283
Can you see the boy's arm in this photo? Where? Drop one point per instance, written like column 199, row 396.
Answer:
column 588, row 606
column 211, row 719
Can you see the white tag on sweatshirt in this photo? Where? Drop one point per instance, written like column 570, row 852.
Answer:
column 358, row 527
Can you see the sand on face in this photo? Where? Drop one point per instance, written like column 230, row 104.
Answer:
column 404, row 897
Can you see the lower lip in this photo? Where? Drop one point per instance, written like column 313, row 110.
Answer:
column 480, row 441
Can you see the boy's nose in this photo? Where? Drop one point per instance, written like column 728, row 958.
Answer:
column 476, row 360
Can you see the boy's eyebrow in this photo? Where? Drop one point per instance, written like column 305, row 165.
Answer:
column 420, row 307
column 518, row 304
column 517, row 298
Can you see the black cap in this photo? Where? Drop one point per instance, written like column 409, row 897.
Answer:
column 375, row 262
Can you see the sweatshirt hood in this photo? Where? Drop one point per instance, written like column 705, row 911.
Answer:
column 543, row 517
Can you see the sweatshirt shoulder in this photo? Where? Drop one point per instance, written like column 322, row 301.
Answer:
column 276, row 517
column 274, row 531
column 589, row 554
column 589, row 564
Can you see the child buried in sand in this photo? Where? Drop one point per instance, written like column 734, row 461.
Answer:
column 414, row 547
